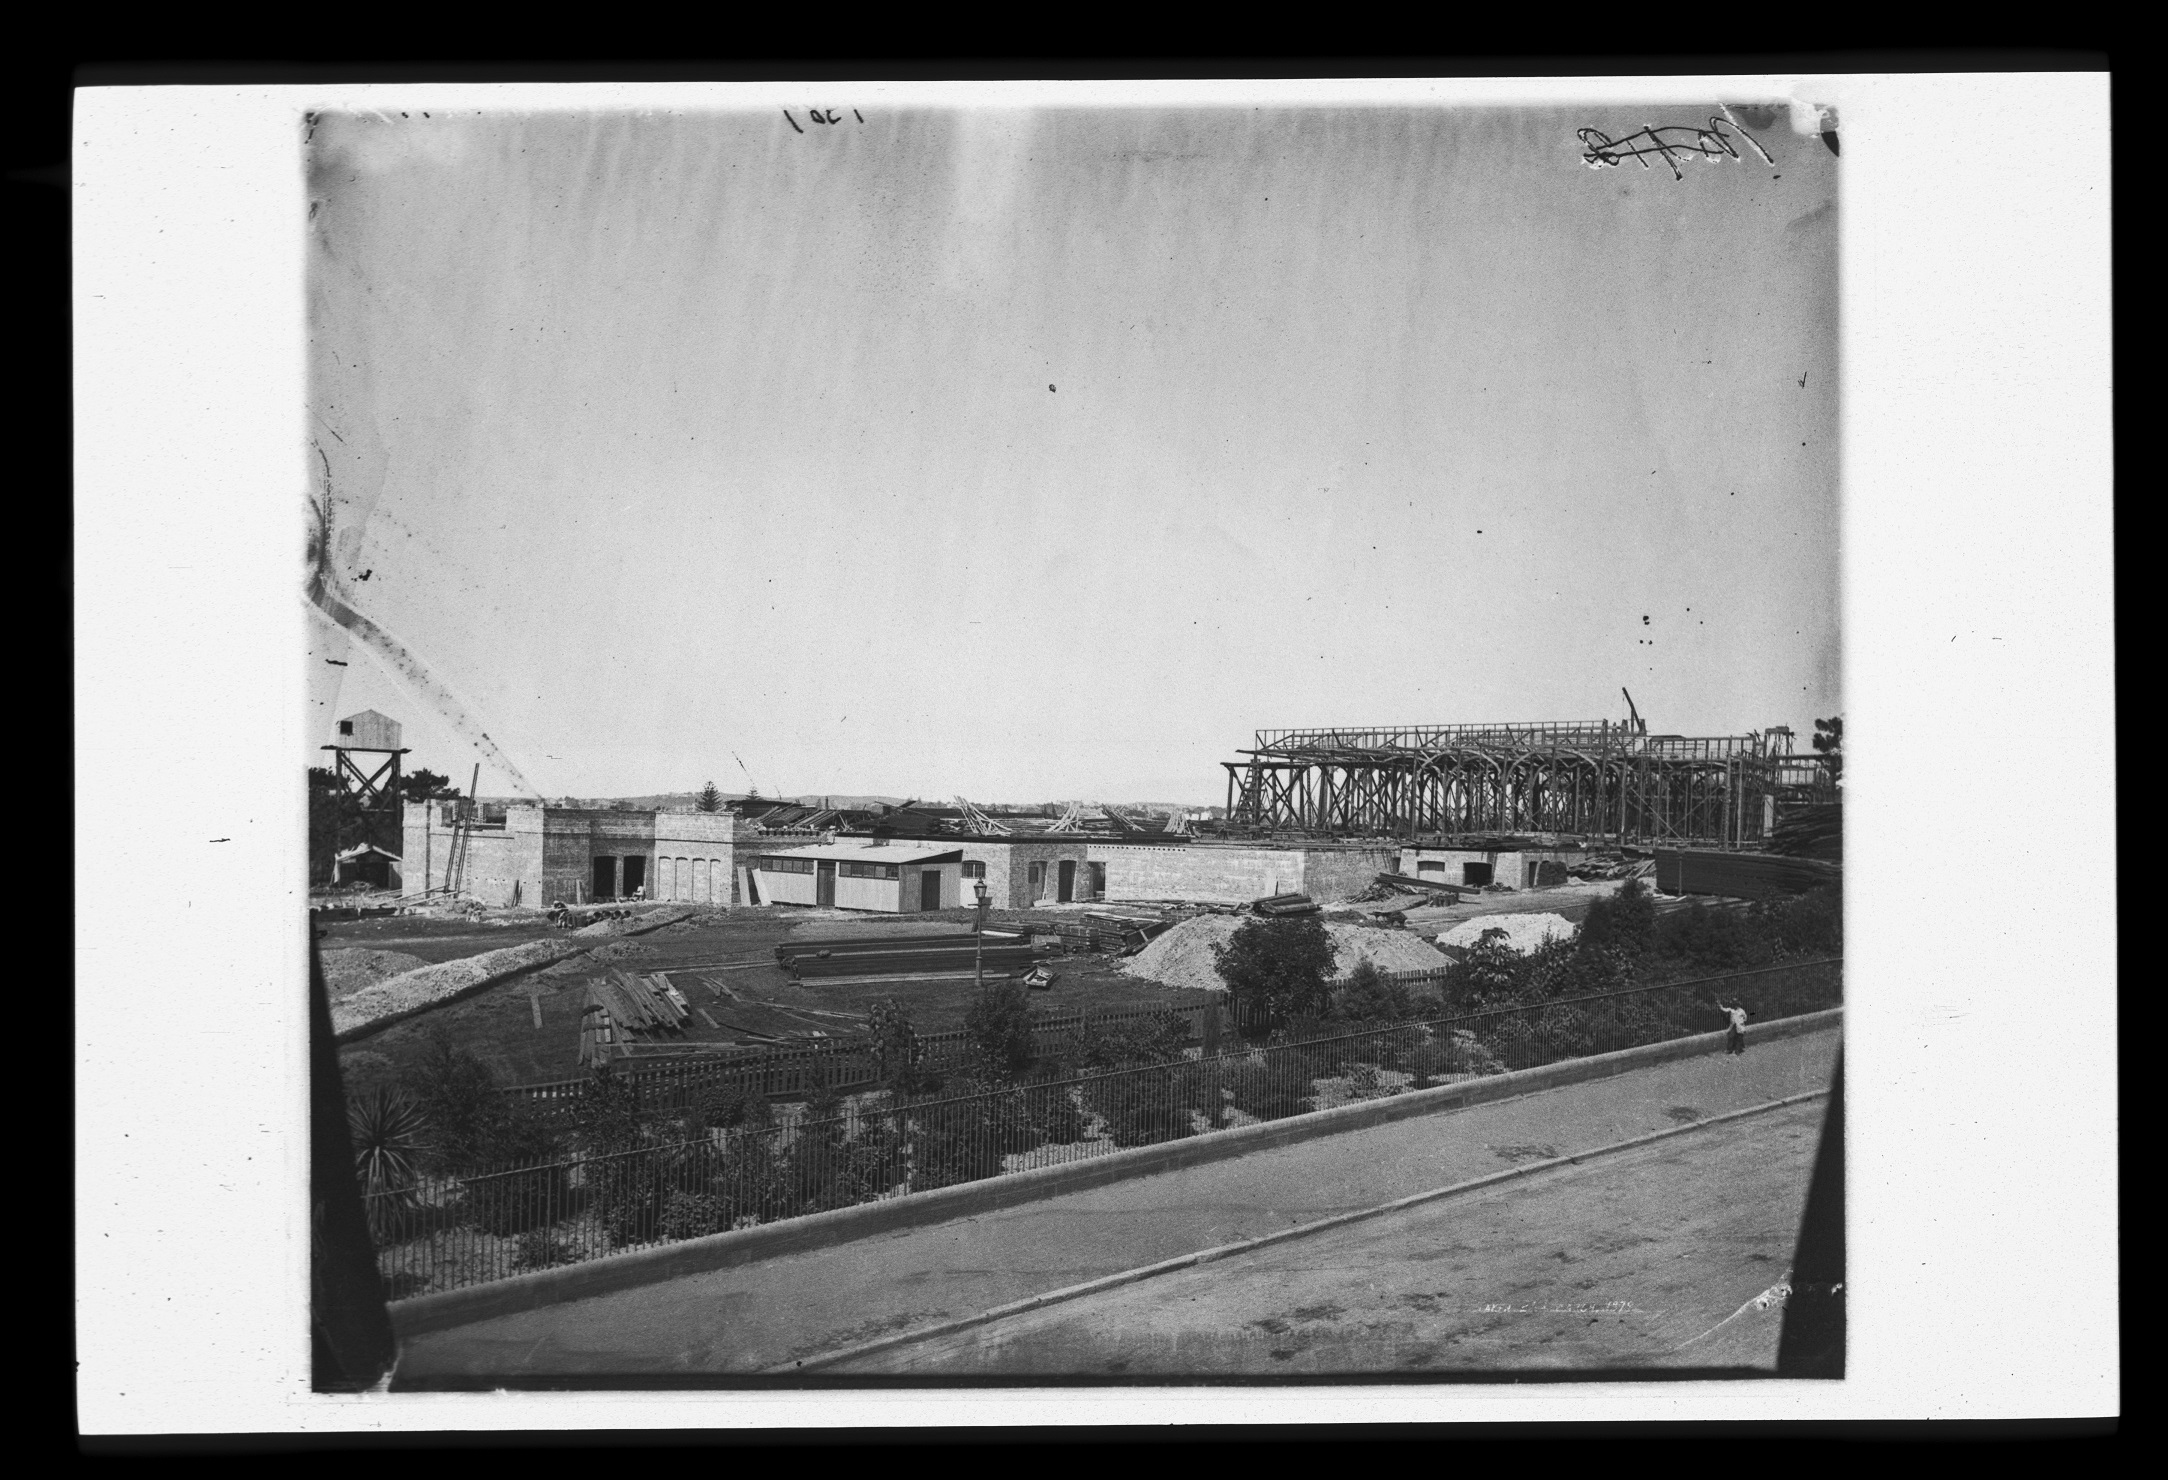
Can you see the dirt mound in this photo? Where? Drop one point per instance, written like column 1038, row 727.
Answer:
column 382, row 1003
column 1183, row 956
column 347, row 971
column 1524, row 932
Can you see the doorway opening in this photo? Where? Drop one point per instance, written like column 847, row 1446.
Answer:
column 605, row 882
column 824, row 884
column 635, row 875
column 929, row 889
column 1475, row 873
column 1066, row 889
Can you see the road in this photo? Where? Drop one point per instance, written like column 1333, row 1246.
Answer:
column 1642, row 1259
column 758, row 1317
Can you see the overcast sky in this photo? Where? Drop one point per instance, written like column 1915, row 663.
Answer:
column 1036, row 455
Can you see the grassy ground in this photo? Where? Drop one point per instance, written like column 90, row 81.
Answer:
column 722, row 961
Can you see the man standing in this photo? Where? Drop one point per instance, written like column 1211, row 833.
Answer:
column 1735, row 1035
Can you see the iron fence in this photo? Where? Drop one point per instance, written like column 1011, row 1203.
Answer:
column 677, row 1080
column 659, row 1178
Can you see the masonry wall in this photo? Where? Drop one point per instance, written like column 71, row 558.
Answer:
column 1515, row 869
column 1330, row 875
column 694, row 857
column 503, row 866
column 1198, row 872
column 1008, row 869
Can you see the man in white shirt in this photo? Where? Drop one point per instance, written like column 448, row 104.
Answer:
column 1735, row 1036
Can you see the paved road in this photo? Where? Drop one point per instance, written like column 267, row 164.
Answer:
column 1641, row 1259
column 761, row 1316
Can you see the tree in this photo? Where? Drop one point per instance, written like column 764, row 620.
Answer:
column 1277, row 967
column 426, row 786
column 999, row 1023
column 1829, row 741
column 710, row 799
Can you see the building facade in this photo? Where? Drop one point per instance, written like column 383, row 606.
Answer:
column 531, row 854
column 882, row 875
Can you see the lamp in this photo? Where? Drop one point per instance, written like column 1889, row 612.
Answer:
column 978, row 938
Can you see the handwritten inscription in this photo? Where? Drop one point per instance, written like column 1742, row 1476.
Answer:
column 828, row 116
column 1670, row 143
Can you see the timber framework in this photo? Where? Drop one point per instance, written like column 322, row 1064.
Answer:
column 1606, row 779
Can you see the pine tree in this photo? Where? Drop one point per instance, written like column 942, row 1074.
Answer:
column 711, row 800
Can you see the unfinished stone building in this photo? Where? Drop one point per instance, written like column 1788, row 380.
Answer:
column 533, row 854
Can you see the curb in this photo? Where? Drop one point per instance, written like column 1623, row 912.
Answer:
column 610, row 1273
column 1267, row 1240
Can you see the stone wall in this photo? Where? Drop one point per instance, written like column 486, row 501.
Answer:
column 1198, row 872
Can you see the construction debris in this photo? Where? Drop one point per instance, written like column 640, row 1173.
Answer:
column 1281, row 905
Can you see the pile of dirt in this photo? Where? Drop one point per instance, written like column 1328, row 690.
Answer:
column 347, row 971
column 385, row 1002
column 1523, row 932
column 1182, row 957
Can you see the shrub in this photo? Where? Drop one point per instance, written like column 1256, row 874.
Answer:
column 1369, row 995
column 1158, row 1039
column 897, row 1053
column 999, row 1023
column 1625, row 920
column 1269, row 1086
column 538, row 1248
column 1145, row 1107
column 390, row 1136
column 1703, row 940
column 1279, row 966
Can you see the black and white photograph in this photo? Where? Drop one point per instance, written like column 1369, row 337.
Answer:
column 927, row 715
column 1085, row 742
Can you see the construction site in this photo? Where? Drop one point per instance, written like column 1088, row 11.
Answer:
column 506, row 920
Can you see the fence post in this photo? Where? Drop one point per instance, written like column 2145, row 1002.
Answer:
column 1208, row 1028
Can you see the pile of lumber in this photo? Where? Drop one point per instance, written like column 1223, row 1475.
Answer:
column 1282, row 905
column 626, row 1009
column 1121, row 934
column 905, row 956
column 1409, row 884
column 1812, row 830
column 1740, row 875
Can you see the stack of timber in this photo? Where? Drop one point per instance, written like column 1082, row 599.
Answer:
column 1740, row 875
column 1281, row 905
column 897, row 956
column 627, row 1009
column 1812, row 830
column 1406, row 884
column 1121, row 934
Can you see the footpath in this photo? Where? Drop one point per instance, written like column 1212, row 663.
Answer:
column 756, row 1318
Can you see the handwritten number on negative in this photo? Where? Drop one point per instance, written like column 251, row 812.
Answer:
column 817, row 115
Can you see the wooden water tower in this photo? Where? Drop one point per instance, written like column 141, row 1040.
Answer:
column 367, row 749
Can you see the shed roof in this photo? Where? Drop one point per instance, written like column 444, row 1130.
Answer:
column 865, row 850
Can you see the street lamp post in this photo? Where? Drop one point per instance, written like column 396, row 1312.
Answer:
column 978, row 940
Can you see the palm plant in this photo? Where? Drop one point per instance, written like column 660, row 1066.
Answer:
column 390, row 1136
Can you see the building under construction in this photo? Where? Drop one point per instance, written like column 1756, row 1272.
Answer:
column 1601, row 779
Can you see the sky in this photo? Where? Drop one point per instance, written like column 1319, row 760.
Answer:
column 1034, row 455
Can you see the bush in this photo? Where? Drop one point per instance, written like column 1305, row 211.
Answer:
column 1270, row 1086
column 539, row 1249
column 897, row 1053
column 1369, row 995
column 1146, row 1107
column 1158, row 1039
column 1279, row 966
column 1625, row 920
column 1707, row 941
column 999, row 1023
